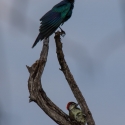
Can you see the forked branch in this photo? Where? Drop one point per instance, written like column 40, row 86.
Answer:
column 38, row 95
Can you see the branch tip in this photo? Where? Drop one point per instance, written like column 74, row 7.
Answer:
column 29, row 68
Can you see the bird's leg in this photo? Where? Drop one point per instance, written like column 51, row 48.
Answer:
column 63, row 33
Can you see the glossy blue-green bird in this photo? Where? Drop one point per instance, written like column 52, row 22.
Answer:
column 59, row 14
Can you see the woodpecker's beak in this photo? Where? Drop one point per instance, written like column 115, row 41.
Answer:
column 77, row 104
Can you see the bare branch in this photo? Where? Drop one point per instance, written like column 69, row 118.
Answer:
column 37, row 93
column 72, row 83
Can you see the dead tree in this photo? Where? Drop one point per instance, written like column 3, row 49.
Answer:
column 38, row 95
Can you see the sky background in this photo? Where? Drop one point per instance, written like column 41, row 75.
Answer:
column 94, row 48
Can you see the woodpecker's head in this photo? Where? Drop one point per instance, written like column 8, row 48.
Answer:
column 71, row 105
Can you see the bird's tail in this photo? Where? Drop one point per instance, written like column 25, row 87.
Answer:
column 37, row 40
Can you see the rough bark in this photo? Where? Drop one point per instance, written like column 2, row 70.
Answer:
column 38, row 95
column 72, row 83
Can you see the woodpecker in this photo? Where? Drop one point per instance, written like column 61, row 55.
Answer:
column 75, row 112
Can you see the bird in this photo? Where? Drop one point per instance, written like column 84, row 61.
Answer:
column 57, row 16
column 75, row 113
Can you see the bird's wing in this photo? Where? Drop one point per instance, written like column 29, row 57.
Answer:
column 71, row 116
column 50, row 24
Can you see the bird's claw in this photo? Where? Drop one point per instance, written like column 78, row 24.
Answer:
column 63, row 33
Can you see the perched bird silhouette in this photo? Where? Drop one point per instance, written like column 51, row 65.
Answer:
column 59, row 14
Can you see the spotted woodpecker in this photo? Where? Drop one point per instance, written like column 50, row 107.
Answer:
column 75, row 112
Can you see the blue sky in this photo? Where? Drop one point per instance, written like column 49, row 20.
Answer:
column 94, row 48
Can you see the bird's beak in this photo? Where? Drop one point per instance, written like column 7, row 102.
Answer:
column 77, row 104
